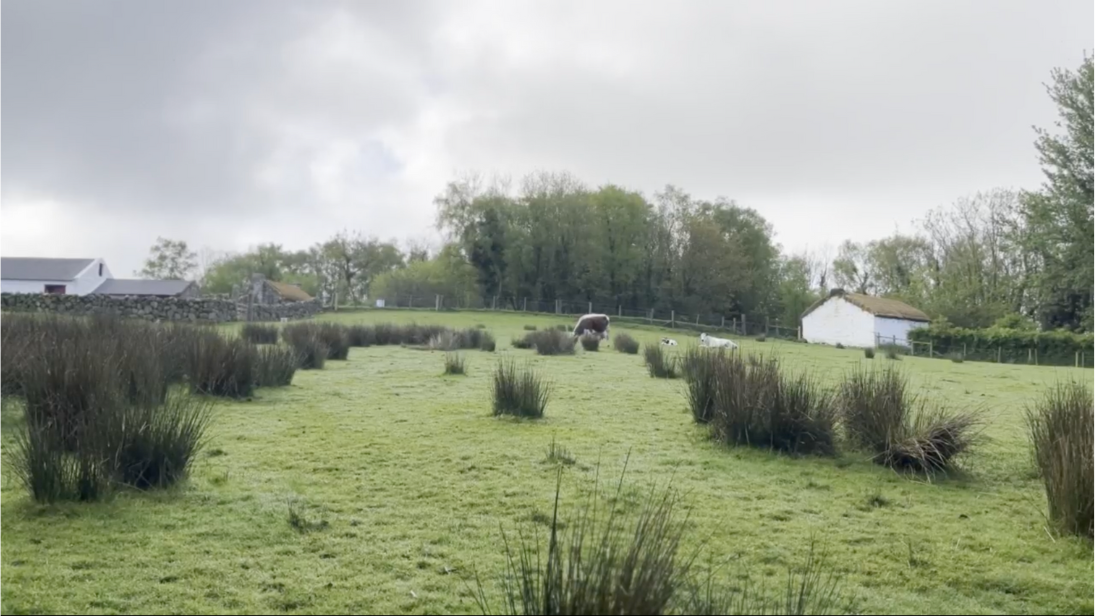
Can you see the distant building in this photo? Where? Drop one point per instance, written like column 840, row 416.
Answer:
column 58, row 276
column 858, row 320
column 81, row 277
column 148, row 288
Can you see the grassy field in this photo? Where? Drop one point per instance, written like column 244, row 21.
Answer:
column 378, row 485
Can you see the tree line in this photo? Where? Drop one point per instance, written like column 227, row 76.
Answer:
column 999, row 256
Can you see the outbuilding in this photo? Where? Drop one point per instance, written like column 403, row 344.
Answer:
column 858, row 320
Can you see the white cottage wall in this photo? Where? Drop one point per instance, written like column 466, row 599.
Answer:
column 895, row 331
column 838, row 321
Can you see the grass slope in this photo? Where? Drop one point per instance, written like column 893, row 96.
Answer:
column 377, row 485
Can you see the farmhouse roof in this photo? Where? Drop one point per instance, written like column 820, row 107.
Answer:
column 41, row 268
column 129, row 286
column 289, row 292
column 878, row 306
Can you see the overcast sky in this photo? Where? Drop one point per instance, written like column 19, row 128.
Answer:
column 232, row 122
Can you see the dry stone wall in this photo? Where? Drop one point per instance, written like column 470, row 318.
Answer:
column 196, row 310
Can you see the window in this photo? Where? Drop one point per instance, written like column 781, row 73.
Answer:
column 55, row 289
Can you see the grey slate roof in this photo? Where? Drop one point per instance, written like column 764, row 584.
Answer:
column 128, row 286
column 37, row 268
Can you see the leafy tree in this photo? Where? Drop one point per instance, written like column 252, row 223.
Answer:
column 169, row 260
column 1059, row 216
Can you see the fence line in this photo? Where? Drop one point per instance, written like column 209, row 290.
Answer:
column 741, row 324
column 995, row 354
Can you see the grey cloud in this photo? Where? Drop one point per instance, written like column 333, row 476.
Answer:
column 227, row 123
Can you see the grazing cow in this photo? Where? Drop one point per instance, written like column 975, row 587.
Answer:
column 669, row 342
column 596, row 324
column 711, row 341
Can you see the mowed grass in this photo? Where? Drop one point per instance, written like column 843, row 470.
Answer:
column 377, row 485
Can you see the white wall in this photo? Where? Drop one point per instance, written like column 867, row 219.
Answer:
column 891, row 330
column 839, row 321
column 85, row 282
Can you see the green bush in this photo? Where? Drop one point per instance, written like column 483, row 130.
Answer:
column 756, row 404
column 700, row 371
column 659, row 364
column 220, row 366
column 487, row 343
column 626, row 344
column 360, row 335
column 275, row 365
column 303, row 337
column 520, row 392
column 1056, row 347
column 530, row 328
column 900, row 430
column 590, row 342
column 868, row 353
column 454, row 363
column 1061, row 425
column 259, row 334
column 552, row 342
column 523, row 342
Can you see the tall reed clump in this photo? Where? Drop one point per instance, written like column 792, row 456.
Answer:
column 758, row 405
column 901, row 430
column 308, row 337
column 360, row 335
column 275, row 365
column 258, row 333
column 454, row 363
column 1060, row 426
column 552, row 342
column 98, row 413
column 700, row 369
column 659, row 364
column 591, row 342
column 220, row 366
column 487, row 342
column 607, row 559
column 624, row 343
column 519, row 391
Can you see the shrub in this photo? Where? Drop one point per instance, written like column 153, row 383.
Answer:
column 333, row 336
column 1060, row 427
column 360, row 335
column 756, row 404
column 956, row 357
column 899, row 429
column 519, row 391
column 487, row 343
column 1012, row 341
column 590, row 343
column 893, row 351
column 219, row 366
column 530, row 328
column 387, row 333
column 276, row 365
column 626, row 344
column 868, row 353
column 839, row 345
column 659, row 364
column 454, row 363
column 700, row 369
column 155, row 444
column 552, row 342
column 311, row 352
column 763, row 337
column 557, row 454
column 259, row 334
column 892, row 354
column 521, row 343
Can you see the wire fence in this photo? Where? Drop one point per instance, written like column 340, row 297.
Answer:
column 741, row 324
column 1030, row 355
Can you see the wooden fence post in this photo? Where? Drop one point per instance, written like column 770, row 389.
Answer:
column 410, row 302
column 997, row 354
column 524, row 304
column 744, row 328
column 767, row 326
column 1035, row 356
column 619, row 310
column 723, row 324
column 963, row 350
column 1030, row 356
column 697, row 318
column 672, row 318
column 437, row 303
column 590, row 311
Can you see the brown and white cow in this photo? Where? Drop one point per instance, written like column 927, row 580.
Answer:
column 596, row 324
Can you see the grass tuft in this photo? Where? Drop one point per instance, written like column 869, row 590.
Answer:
column 868, row 353
column 520, row 392
column 591, row 343
column 1060, row 426
column 257, row 333
column 552, row 342
column 659, row 364
column 454, row 363
column 624, row 343
column 275, row 365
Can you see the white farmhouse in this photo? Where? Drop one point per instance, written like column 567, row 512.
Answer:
column 60, row 276
column 858, row 320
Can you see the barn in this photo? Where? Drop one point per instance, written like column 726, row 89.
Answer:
column 858, row 320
